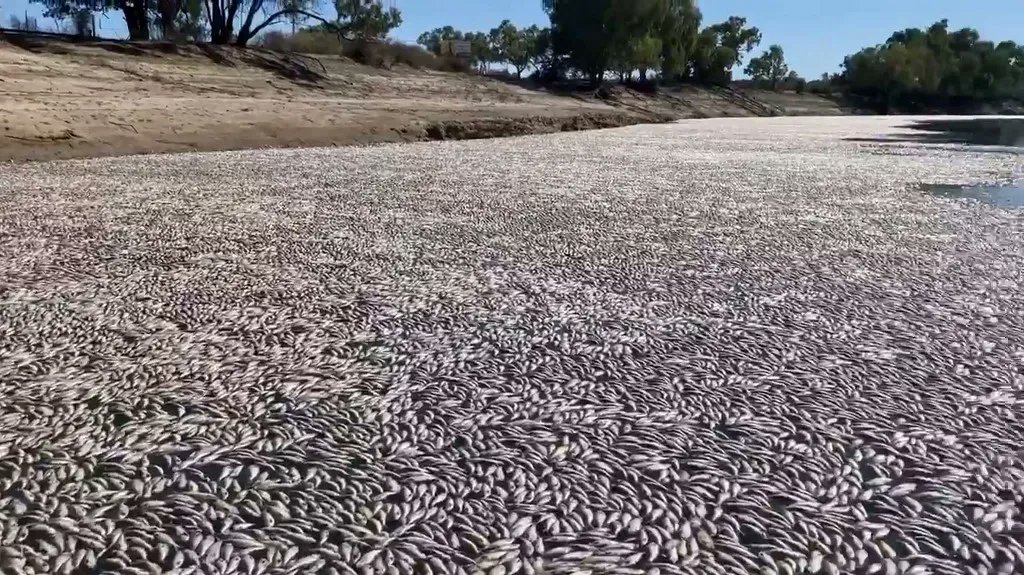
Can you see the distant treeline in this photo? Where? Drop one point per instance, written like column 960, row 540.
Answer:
column 649, row 41
column 628, row 39
column 667, row 41
column 934, row 69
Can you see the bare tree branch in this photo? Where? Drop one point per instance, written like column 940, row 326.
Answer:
column 245, row 35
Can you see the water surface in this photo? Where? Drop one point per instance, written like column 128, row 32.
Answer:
column 1003, row 196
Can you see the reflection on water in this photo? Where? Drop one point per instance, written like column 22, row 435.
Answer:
column 1011, row 196
column 976, row 131
column 1005, row 132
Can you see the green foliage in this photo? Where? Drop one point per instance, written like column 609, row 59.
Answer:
column 679, row 33
column 769, row 68
column 519, row 48
column 645, row 54
column 711, row 61
column 366, row 19
column 720, row 47
column 920, row 69
column 503, row 44
column 223, row 21
column 587, row 38
column 433, row 39
column 544, row 57
column 137, row 14
column 640, row 54
column 737, row 36
column 483, row 52
column 823, row 85
column 625, row 35
column 585, row 31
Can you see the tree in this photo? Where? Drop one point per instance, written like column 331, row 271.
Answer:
column 795, row 82
column 580, row 29
column 504, row 41
column 647, row 55
column 82, row 21
column 223, row 15
column 190, row 25
column 917, row 68
column 433, row 39
column 136, row 12
column 597, row 34
column 519, row 48
column 359, row 18
column 641, row 55
column 482, row 51
column 295, row 19
column 27, row 24
column 365, row 18
column 737, row 36
column 720, row 47
column 769, row 68
column 634, row 34
column 544, row 57
column 679, row 30
column 712, row 62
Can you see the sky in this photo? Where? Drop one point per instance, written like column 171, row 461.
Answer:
column 815, row 34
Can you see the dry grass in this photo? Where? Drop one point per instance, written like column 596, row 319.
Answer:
column 381, row 54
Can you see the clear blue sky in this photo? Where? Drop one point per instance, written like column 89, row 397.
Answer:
column 815, row 34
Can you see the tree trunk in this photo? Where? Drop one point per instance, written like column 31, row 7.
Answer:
column 168, row 10
column 222, row 20
column 136, row 18
column 246, row 32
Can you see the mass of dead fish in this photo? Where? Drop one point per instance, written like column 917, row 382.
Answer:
column 725, row 346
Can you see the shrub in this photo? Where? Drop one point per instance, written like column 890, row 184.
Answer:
column 410, row 55
column 304, row 41
column 378, row 53
column 449, row 64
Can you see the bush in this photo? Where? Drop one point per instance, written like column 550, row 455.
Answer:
column 377, row 53
column 450, row 64
column 304, row 41
column 821, row 88
column 385, row 54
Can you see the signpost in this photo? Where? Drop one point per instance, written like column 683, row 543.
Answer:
column 457, row 48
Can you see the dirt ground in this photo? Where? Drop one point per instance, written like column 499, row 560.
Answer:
column 60, row 99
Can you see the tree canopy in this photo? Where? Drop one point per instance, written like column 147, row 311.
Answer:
column 770, row 67
column 517, row 47
column 936, row 67
column 229, row 21
column 636, row 36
